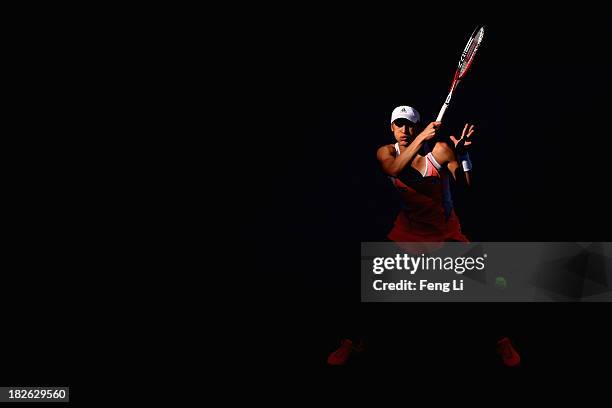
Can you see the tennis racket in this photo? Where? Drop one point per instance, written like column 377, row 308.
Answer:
column 464, row 65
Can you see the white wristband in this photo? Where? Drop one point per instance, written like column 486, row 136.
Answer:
column 466, row 163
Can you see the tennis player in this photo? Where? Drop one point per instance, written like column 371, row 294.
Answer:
column 422, row 176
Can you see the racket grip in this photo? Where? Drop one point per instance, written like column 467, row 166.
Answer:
column 442, row 111
column 447, row 101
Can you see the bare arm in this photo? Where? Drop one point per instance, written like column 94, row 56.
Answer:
column 446, row 156
column 392, row 164
column 456, row 170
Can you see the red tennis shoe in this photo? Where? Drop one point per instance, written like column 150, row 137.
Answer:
column 342, row 354
column 509, row 355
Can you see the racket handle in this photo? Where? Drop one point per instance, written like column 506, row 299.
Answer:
column 447, row 101
column 441, row 114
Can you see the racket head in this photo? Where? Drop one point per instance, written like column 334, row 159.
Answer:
column 470, row 51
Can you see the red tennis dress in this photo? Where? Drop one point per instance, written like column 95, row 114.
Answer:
column 427, row 213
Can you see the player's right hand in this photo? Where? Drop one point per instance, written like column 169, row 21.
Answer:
column 430, row 131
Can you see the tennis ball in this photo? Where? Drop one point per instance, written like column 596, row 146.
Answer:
column 500, row 283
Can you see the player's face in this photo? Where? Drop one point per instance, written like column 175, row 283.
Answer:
column 404, row 131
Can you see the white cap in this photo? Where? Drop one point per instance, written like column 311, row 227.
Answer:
column 405, row 112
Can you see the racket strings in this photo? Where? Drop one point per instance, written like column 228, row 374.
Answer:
column 471, row 51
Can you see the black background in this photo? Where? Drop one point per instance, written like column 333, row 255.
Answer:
column 537, row 93
column 309, row 103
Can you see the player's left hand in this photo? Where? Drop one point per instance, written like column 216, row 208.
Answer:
column 462, row 144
